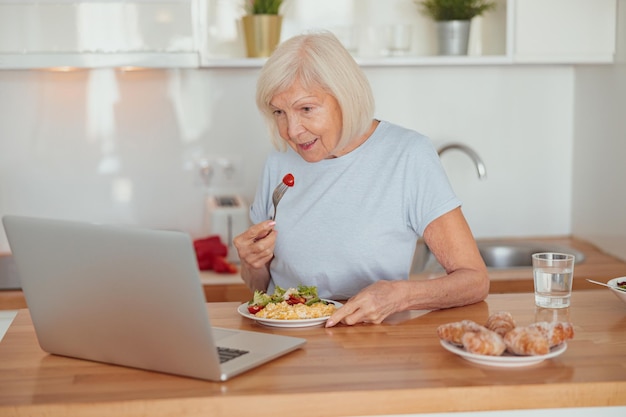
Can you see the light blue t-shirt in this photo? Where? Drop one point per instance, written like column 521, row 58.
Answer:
column 350, row 221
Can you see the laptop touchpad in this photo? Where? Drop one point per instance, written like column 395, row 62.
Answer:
column 219, row 333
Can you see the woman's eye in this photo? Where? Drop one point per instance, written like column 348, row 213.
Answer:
column 277, row 113
column 307, row 109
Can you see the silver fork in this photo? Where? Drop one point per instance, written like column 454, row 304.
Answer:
column 278, row 193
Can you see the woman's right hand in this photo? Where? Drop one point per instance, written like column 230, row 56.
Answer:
column 255, row 246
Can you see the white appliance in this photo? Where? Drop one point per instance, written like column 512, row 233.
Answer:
column 227, row 216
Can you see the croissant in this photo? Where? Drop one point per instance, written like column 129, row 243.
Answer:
column 556, row 333
column 453, row 332
column 501, row 322
column 527, row 341
column 484, row 342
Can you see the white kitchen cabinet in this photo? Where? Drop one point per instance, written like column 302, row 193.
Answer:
column 570, row 31
column 90, row 33
column 207, row 33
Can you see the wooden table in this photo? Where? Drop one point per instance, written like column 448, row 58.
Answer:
column 392, row 368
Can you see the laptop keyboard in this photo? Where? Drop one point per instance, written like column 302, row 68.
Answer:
column 227, row 354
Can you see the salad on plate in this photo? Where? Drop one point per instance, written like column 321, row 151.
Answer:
column 297, row 303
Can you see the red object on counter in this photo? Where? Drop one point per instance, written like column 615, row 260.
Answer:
column 222, row 266
column 211, row 255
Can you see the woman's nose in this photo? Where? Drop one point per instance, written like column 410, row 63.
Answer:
column 294, row 127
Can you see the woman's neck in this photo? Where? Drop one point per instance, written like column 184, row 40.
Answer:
column 358, row 141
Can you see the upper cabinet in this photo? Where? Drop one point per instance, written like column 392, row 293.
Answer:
column 99, row 33
column 574, row 31
column 208, row 33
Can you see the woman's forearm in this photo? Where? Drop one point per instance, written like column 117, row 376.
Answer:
column 459, row 288
column 257, row 279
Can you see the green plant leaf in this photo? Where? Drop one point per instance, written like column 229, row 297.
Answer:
column 454, row 9
column 265, row 6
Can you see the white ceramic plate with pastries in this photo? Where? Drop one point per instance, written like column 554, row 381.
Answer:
column 506, row 360
column 502, row 342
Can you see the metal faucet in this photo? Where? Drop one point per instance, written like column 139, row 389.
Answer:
column 480, row 166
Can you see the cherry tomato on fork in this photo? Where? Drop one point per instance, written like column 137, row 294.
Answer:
column 289, row 180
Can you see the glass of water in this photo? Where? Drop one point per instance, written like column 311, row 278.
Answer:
column 399, row 39
column 553, row 275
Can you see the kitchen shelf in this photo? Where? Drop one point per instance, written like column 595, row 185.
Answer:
column 433, row 61
column 519, row 32
column 205, row 33
column 99, row 60
column 426, row 61
column 377, row 62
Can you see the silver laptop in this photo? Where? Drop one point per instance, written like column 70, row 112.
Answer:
column 128, row 296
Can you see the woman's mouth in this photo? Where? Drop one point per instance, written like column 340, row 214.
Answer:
column 307, row 145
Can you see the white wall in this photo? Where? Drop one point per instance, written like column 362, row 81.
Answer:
column 518, row 119
column 111, row 146
column 599, row 198
column 124, row 147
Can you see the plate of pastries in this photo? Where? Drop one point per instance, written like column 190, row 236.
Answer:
column 501, row 342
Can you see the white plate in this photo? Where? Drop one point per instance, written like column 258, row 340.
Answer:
column 506, row 360
column 619, row 293
column 243, row 310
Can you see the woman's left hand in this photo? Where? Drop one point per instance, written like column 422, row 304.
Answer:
column 372, row 305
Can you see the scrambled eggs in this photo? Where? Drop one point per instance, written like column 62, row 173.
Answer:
column 285, row 311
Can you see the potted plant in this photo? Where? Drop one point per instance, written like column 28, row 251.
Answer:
column 453, row 18
column 264, row 6
column 261, row 26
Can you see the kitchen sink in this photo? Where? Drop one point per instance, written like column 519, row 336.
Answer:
column 497, row 254
column 508, row 254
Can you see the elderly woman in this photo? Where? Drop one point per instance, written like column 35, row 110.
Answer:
column 365, row 191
